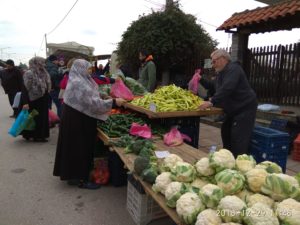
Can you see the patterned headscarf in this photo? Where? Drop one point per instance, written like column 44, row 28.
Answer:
column 37, row 80
column 82, row 92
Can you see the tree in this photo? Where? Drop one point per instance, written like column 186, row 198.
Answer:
column 172, row 36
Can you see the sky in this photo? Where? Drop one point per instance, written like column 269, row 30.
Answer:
column 101, row 23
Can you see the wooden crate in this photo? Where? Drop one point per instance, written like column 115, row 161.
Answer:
column 151, row 114
column 102, row 136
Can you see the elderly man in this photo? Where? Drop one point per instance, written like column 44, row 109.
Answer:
column 238, row 100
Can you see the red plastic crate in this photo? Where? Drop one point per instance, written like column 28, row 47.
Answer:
column 296, row 149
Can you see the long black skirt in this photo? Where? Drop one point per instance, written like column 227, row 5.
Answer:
column 75, row 145
column 41, row 130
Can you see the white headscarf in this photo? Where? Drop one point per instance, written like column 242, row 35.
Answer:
column 82, row 92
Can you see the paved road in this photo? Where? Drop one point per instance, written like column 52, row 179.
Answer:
column 30, row 195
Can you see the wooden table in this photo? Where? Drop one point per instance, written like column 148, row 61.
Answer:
column 195, row 113
column 186, row 152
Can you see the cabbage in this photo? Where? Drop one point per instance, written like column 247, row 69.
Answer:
column 136, row 87
column 259, row 198
column 211, row 195
column 231, row 181
column 255, row 179
column 231, row 209
column 245, row 163
column 208, row 217
column 281, row 186
column 173, row 192
column 222, row 159
column 270, row 167
column 260, row 214
column 183, row 172
column 188, row 207
column 203, row 168
column 288, row 211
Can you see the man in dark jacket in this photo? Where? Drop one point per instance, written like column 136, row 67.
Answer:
column 238, row 100
column 52, row 68
column 11, row 79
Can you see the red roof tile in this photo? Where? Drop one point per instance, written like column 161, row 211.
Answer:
column 261, row 15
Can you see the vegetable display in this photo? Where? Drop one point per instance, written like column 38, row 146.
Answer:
column 168, row 99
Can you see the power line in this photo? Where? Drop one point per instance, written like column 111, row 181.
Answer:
column 63, row 18
column 201, row 21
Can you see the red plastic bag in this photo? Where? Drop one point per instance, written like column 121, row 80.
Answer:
column 194, row 82
column 100, row 174
column 53, row 118
column 119, row 90
column 141, row 131
column 175, row 138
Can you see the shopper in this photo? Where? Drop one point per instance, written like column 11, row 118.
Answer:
column 56, row 77
column 11, row 80
column 147, row 72
column 77, row 133
column 35, row 95
column 238, row 100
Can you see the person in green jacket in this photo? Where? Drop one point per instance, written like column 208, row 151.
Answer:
column 147, row 72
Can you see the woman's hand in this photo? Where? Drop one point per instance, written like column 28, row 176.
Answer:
column 205, row 105
column 26, row 106
column 120, row 101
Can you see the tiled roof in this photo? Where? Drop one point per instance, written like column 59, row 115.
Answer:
column 262, row 15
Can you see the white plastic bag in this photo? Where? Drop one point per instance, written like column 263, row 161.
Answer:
column 268, row 107
column 17, row 100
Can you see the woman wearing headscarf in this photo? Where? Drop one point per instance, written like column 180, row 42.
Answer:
column 37, row 84
column 78, row 128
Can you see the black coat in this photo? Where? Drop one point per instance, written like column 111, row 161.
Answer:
column 11, row 80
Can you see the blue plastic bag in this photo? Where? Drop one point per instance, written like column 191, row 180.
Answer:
column 19, row 124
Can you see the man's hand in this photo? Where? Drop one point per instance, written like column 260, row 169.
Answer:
column 205, row 105
column 26, row 106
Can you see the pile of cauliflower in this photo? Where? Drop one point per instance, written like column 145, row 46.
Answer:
column 222, row 190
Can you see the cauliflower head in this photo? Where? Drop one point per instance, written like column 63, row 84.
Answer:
column 231, row 181
column 255, row 198
column 244, row 194
column 270, row 167
column 222, row 159
column 208, row 217
column 161, row 182
column 244, row 163
column 170, row 161
column 288, row 211
column 255, row 178
column 199, row 183
column 231, row 224
column 211, row 195
column 231, row 209
column 183, row 172
column 173, row 192
column 281, row 186
column 188, row 206
column 260, row 214
column 203, row 167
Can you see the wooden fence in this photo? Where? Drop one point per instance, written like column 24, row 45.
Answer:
column 274, row 73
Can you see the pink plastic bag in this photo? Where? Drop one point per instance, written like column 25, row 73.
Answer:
column 175, row 138
column 194, row 82
column 53, row 118
column 141, row 131
column 119, row 90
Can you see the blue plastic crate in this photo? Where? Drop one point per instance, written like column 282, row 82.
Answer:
column 270, row 138
column 260, row 155
column 278, row 124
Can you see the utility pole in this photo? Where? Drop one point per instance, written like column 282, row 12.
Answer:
column 46, row 45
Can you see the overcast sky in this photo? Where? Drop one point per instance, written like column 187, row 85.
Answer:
column 100, row 23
